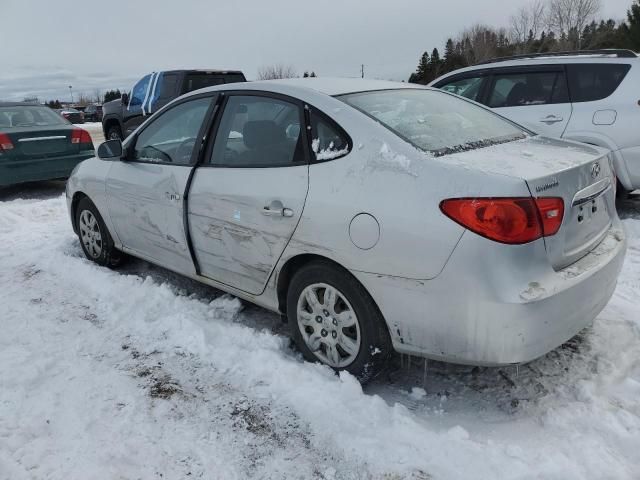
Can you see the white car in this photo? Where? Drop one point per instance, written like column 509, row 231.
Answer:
column 374, row 215
column 591, row 97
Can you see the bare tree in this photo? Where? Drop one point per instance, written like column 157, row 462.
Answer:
column 568, row 18
column 278, row 70
column 481, row 42
column 527, row 22
column 97, row 96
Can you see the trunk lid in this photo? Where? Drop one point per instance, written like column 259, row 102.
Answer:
column 580, row 174
column 38, row 142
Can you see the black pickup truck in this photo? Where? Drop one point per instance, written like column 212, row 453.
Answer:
column 122, row 116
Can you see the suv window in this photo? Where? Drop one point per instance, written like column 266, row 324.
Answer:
column 139, row 91
column 195, row 81
column 595, row 81
column 467, row 87
column 328, row 140
column 532, row 88
column 258, row 131
column 171, row 137
column 168, row 85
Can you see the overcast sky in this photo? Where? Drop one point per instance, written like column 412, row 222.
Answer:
column 48, row 45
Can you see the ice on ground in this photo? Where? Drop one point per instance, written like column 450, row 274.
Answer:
column 129, row 374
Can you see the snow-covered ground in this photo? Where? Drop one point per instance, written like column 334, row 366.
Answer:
column 138, row 373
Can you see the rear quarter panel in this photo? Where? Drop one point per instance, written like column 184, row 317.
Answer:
column 397, row 184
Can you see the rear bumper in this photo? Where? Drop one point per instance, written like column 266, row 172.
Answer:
column 33, row 170
column 492, row 308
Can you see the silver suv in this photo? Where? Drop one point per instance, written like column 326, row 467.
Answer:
column 588, row 96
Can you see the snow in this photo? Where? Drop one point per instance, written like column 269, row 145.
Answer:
column 327, row 153
column 139, row 373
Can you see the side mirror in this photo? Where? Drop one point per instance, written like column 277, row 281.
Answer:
column 124, row 98
column 110, row 149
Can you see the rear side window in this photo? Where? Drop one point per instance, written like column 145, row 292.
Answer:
column 523, row 89
column 466, row 87
column 168, row 84
column 195, row 81
column 588, row 83
column 328, row 141
column 259, row 131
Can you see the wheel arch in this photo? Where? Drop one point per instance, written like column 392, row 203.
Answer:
column 75, row 200
column 295, row 263
column 108, row 122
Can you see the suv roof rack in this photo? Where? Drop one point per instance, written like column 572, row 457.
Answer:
column 618, row 52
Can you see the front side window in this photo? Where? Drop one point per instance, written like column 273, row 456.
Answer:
column 465, row 87
column 434, row 121
column 524, row 89
column 328, row 140
column 139, row 91
column 171, row 137
column 593, row 82
column 258, row 131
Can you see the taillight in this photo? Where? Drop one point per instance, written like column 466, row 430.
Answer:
column 551, row 211
column 507, row 220
column 5, row 142
column 80, row 136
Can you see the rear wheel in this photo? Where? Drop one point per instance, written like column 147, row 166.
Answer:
column 114, row 133
column 333, row 320
column 95, row 240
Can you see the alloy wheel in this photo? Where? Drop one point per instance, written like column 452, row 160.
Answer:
column 90, row 233
column 329, row 325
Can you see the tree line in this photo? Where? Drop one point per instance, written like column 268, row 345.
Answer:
column 540, row 27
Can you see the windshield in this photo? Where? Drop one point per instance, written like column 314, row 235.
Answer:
column 26, row 116
column 434, row 121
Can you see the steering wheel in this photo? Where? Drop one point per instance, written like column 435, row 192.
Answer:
column 184, row 150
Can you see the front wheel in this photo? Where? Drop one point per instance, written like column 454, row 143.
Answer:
column 95, row 240
column 114, row 133
column 334, row 320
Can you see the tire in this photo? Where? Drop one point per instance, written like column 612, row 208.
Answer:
column 95, row 240
column 621, row 192
column 326, row 332
column 114, row 133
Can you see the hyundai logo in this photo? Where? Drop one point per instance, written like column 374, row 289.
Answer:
column 595, row 170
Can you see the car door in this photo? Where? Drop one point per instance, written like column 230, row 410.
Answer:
column 537, row 98
column 146, row 190
column 245, row 201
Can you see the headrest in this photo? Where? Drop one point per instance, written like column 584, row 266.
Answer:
column 262, row 133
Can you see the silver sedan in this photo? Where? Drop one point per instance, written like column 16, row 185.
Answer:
column 375, row 216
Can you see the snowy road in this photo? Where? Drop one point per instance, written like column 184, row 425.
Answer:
column 140, row 374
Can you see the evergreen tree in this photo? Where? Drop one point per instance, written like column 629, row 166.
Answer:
column 305, row 75
column 313, row 74
column 633, row 29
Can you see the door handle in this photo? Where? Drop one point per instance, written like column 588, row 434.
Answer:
column 550, row 119
column 276, row 209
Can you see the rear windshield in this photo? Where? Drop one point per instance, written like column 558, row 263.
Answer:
column 26, row 116
column 434, row 121
column 195, row 81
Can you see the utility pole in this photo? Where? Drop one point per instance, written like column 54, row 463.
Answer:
column 71, row 93
column 362, row 70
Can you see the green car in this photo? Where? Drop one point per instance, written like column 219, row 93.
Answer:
column 38, row 144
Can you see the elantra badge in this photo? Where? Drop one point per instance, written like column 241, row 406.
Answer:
column 595, row 170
